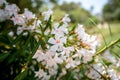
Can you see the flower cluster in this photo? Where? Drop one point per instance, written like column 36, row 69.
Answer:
column 7, row 11
column 67, row 50
column 24, row 21
column 62, row 48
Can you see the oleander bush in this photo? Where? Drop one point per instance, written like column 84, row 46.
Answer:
column 40, row 48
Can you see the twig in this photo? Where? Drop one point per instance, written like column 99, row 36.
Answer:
column 108, row 46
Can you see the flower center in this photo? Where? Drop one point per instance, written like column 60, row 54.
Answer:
column 57, row 41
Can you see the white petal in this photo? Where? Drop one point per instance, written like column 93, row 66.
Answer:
column 54, row 48
column 67, row 66
column 63, row 40
column 52, row 41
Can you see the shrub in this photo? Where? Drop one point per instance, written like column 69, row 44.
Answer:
column 33, row 48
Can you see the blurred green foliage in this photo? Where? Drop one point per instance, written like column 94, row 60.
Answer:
column 111, row 10
column 76, row 13
column 15, row 52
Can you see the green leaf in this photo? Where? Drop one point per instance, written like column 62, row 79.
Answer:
column 118, row 46
column 110, row 31
column 4, row 39
column 106, row 62
column 22, row 75
column 33, row 43
column 27, row 41
column 114, row 53
column 19, row 37
column 12, row 57
column 52, row 78
column 68, row 76
column 33, row 51
column 48, row 24
column 36, row 47
column 3, row 56
column 99, row 31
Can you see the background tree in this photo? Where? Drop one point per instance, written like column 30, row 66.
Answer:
column 111, row 10
column 75, row 11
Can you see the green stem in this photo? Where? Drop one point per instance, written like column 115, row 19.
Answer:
column 98, row 73
column 108, row 46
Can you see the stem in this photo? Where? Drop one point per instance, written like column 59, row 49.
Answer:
column 107, row 46
column 98, row 72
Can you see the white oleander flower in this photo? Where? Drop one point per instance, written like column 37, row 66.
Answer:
column 57, row 59
column 113, row 74
column 47, row 14
column 28, row 15
column 57, row 43
column 50, row 63
column 66, row 19
column 72, row 63
column 49, row 54
column 39, row 55
column 2, row 2
column 81, row 33
column 4, row 15
column 12, row 9
column 87, row 56
column 64, row 28
column 38, row 23
column 59, row 30
column 52, row 71
column 42, row 75
column 53, row 62
column 66, row 51
column 18, row 20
